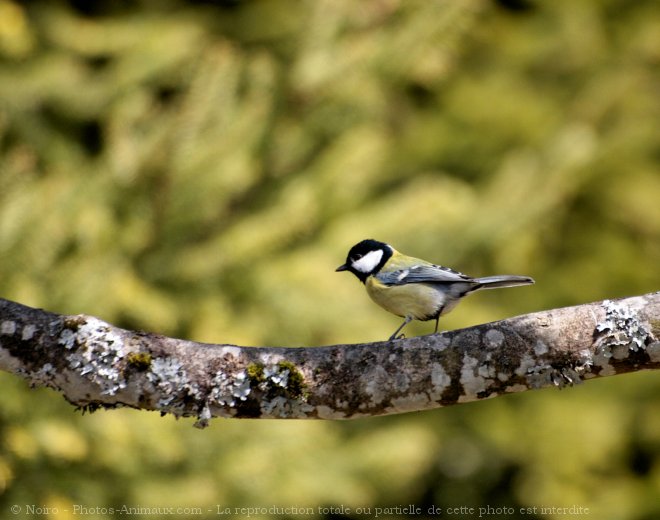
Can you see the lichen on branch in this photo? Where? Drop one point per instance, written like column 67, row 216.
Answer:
column 94, row 364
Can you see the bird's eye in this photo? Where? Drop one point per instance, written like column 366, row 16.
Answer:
column 357, row 257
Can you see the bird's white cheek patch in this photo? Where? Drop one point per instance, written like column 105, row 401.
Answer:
column 368, row 262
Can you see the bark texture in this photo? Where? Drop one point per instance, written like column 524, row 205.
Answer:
column 94, row 364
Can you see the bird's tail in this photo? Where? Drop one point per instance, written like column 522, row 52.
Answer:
column 503, row 280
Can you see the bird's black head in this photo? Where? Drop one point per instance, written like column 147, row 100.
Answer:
column 366, row 258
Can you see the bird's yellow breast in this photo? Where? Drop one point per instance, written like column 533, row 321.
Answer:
column 419, row 301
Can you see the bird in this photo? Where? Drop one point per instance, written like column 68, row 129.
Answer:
column 412, row 288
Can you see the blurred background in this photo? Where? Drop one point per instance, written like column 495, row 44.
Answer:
column 199, row 169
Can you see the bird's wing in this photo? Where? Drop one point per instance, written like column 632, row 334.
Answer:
column 422, row 273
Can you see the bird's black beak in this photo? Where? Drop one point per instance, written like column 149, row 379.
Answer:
column 342, row 267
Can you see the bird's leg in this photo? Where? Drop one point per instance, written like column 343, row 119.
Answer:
column 437, row 319
column 405, row 322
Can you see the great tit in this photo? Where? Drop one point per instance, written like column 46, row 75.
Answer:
column 412, row 288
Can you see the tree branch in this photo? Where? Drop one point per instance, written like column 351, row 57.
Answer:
column 94, row 364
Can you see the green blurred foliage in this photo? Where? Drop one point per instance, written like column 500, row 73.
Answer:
column 200, row 168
